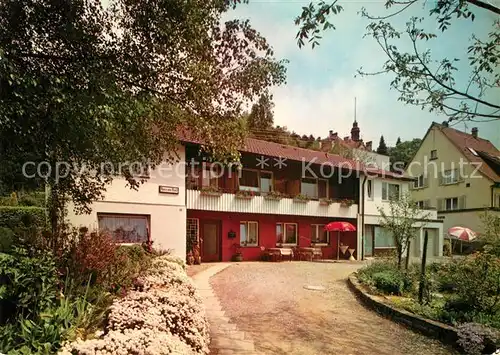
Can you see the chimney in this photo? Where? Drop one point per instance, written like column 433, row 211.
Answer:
column 368, row 146
column 474, row 132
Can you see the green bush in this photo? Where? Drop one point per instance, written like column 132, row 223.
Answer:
column 389, row 282
column 29, row 283
column 22, row 219
column 6, row 239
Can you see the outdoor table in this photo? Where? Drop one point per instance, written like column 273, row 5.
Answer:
column 280, row 252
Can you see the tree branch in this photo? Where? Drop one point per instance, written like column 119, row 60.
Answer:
column 484, row 5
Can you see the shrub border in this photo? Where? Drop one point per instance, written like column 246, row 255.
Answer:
column 443, row 332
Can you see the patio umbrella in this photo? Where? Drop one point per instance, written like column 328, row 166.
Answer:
column 463, row 234
column 338, row 227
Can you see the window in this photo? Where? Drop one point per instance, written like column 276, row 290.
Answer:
column 308, row 187
column 390, row 191
column 125, row 228
column 423, row 204
column 266, row 181
column 450, row 177
column 434, row 154
column 322, row 188
column 192, row 231
column 314, row 188
column 451, row 204
column 209, row 177
column 319, row 234
column 419, row 182
column 369, row 189
column 497, row 201
column 384, row 238
column 286, row 233
column 255, row 180
column 249, row 233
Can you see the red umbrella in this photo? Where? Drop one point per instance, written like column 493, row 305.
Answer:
column 462, row 233
column 339, row 227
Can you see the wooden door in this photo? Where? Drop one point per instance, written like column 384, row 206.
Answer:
column 210, row 234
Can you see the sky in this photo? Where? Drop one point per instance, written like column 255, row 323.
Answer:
column 321, row 83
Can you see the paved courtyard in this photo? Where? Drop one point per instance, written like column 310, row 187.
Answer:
column 268, row 302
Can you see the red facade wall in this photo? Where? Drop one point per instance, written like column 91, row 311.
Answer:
column 230, row 222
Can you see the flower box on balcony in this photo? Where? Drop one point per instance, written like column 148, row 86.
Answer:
column 325, row 201
column 244, row 195
column 346, row 203
column 301, row 199
column 210, row 192
column 273, row 196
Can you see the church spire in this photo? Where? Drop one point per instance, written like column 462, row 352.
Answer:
column 355, row 129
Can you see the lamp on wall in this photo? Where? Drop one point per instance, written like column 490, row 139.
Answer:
column 231, row 234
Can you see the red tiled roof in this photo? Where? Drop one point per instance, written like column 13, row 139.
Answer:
column 463, row 141
column 271, row 149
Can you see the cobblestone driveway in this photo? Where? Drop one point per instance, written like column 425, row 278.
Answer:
column 269, row 301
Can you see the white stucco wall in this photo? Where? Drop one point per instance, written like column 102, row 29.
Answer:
column 372, row 217
column 167, row 212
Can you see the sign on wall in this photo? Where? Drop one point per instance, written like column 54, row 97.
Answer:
column 172, row 190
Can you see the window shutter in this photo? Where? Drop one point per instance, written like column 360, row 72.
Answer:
column 441, row 179
column 461, row 202
column 426, row 182
column 427, row 204
column 440, row 204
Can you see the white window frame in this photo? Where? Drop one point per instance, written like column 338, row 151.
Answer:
column 457, row 205
column 147, row 218
column 419, row 182
column 451, row 176
column 247, row 223
column 283, row 227
column 320, row 228
column 208, row 174
column 388, row 197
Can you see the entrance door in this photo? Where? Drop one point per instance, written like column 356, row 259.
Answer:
column 210, row 233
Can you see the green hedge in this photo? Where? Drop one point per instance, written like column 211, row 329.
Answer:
column 22, row 217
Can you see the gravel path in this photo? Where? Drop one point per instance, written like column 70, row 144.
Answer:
column 269, row 301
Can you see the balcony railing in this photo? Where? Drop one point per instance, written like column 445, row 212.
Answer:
column 268, row 203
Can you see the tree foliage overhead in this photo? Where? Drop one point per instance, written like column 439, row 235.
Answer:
column 87, row 83
column 421, row 80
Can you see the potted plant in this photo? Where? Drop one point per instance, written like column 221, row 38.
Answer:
column 273, row 195
column 190, row 258
column 237, row 256
column 325, row 201
column 210, row 191
column 301, row 198
column 346, row 202
column 245, row 194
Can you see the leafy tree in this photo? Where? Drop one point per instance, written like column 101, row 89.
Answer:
column 402, row 153
column 420, row 79
column 382, row 148
column 398, row 142
column 400, row 220
column 89, row 84
column 262, row 116
column 491, row 232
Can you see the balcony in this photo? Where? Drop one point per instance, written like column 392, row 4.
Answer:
column 229, row 202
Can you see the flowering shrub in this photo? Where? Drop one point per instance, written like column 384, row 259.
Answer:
column 477, row 339
column 131, row 341
column 163, row 315
column 165, row 310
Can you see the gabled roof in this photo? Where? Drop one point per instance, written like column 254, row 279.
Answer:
column 271, row 149
column 463, row 141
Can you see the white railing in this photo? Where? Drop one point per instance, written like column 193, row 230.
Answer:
column 227, row 202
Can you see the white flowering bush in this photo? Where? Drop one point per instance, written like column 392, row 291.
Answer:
column 163, row 316
column 166, row 310
column 130, row 341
